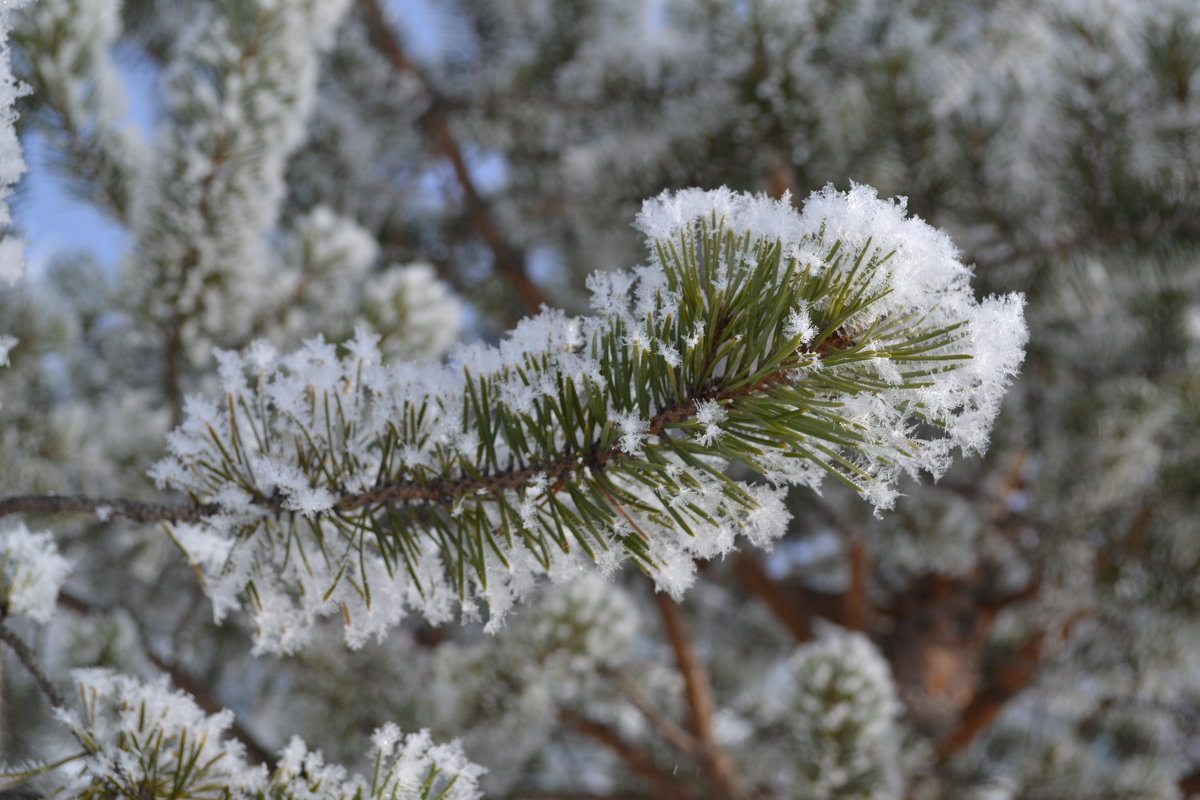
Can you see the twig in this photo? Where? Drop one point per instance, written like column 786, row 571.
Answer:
column 663, row 785
column 1005, row 682
column 1190, row 784
column 716, row 762
column 680, row 739
column 30, row 661
column 754, row 579
column 135, row 510
column 437, row 129
column 403, row 491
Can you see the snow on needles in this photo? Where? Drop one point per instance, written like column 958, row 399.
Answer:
column 355, row 487
column 12, row 166
column 12, row 163
column 145, row 734
column 31, row 572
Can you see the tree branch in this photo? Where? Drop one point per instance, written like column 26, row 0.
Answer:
column 857, row 604
column 755, row 580
column 30, row 661
column 402, row 491
column 437, row 128
column 105, row 507
column 642, row 766
column 716, row 762
column 1190, row 784
column 1004, row 682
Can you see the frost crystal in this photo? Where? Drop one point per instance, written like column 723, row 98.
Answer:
column 407, row 767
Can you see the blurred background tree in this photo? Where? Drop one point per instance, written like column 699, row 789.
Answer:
column 1028, row 627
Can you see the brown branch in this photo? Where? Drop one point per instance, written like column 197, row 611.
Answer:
column 638, row 762
column 29, row 660
column 1190, row 784
column 680, row 739
column 792, row 615
column 405, row 491
column 1004, row 682
column 106, row 507
column 857, row 604
column 716, row 762
column 437, row 128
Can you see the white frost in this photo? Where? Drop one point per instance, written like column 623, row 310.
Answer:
column 31, row 573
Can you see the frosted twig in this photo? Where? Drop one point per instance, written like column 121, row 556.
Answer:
column 30, row 661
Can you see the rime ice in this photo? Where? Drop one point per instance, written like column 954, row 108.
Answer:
column 410, row 468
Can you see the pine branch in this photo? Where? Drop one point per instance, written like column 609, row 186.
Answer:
column 437, row 128
column 600, row 437
column 717, row 763
column 1003, row 682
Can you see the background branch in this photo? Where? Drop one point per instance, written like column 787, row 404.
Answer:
column 716, row 762
column 29, row 660
column 508, row 262
column 641, row 765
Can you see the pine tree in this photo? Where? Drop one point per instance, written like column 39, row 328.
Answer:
column 376, row 426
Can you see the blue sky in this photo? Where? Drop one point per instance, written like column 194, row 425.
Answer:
column 55, row 222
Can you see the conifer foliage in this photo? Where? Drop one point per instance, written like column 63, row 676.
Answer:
column 386, row 460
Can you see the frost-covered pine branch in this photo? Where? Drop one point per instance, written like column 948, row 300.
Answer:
column 144, row 740
column 12, row 166
column 66, row 50
column 238, row 89
column 1024, row 626
column 842, row 340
